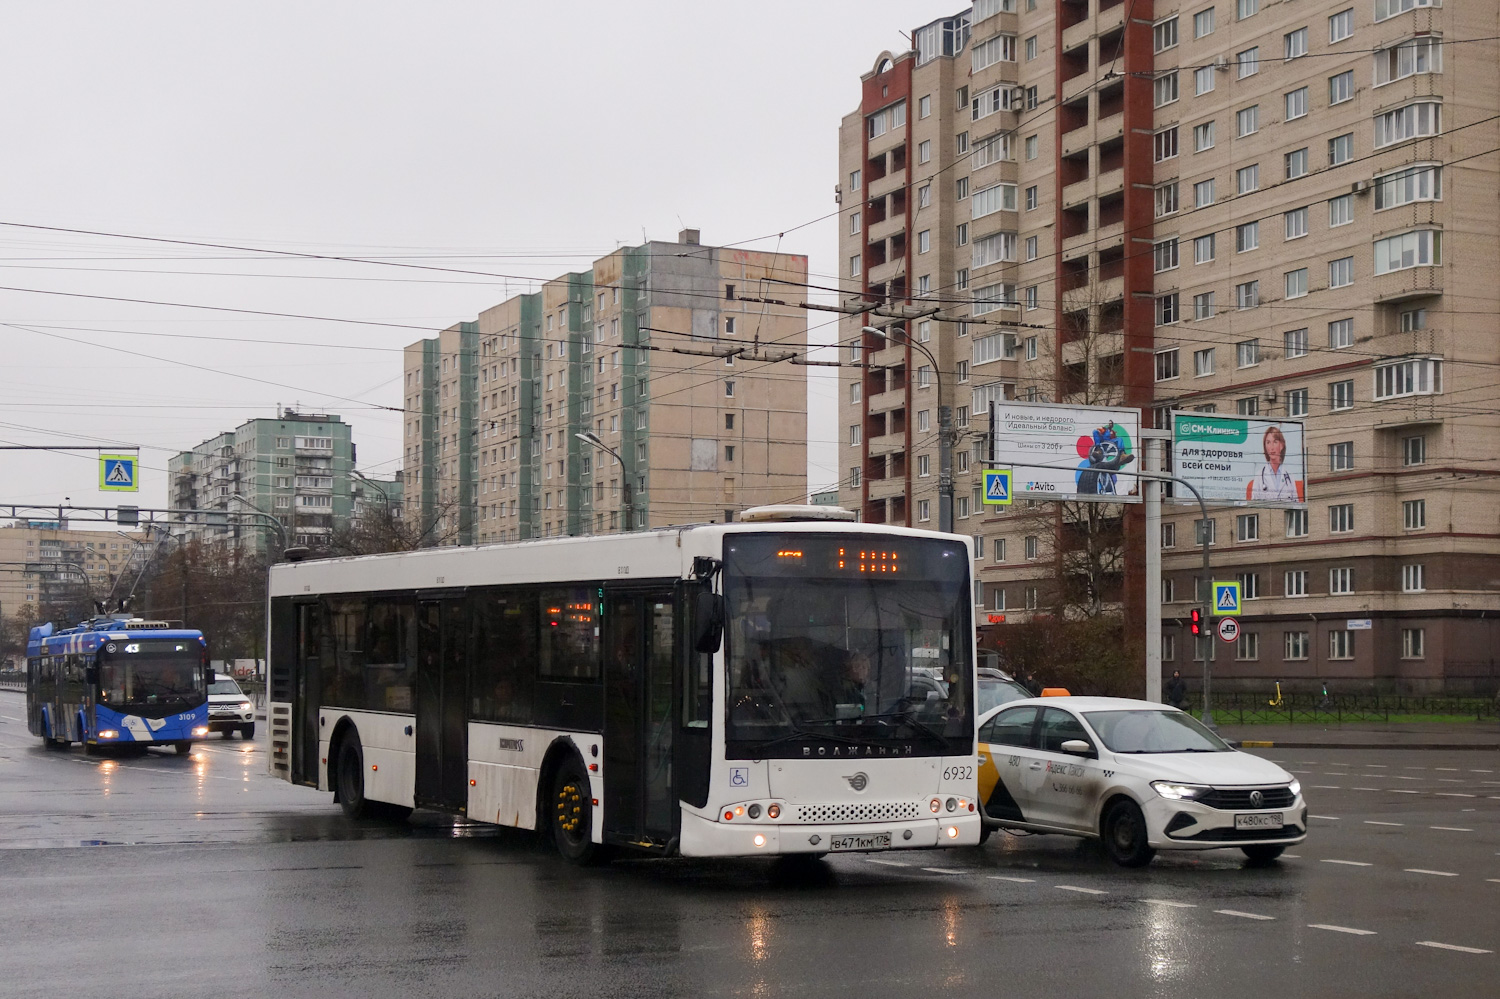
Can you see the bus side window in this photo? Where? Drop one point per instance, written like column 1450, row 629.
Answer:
column 503, row 663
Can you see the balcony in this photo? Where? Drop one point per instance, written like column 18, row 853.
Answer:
column 1076, row 35
column 887, row 444
column 884, row 489
column 881, row 273
column 1077, row 140
column 878, row 232
column 885, row 401
column 1414, row 282
column 1111, row 127
column 1111, row 182
column 893, row 181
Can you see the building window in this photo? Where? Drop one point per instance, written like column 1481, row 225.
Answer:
column 997, row 597
column 1033, row 198
column 854, row 435
column 854, row 185
column 924, row 420
column 1296, row 164
column 854, row 224
column 1166, row 364
column 1341, row 149
column 1247, row 353
column 1341, row 456
column 1296, row 645
column 924, row 151
column 1164, row 35
column 1203, row 362
column 1341, row 395
column 1203, row 137
column 1423, row 54
column 854, row 477
column 962, row 238
column 1294, row 583
column 1202, row 527
column 1414, row 514
column 924, row 106
column 1296, row 402
column 1246, row 237
column 1030, row 544
column 1033, row 598
column 961, row 143
column 1340, row 210
column 1166, row 309
column 1247, row 295
column 1422, row 248
column 1203, row 80
column 1166, row 199
column 728, row 452
column 1296, row 283
column 1169, row 535
column 1341, row 272
column 1413, row 578
column 1423, row 183
column 1413, row 642
column 1246, row 8
column 1032, row 248
column 1294, row 44
column 1248, row 61
column 1167, row 590
column 1341, row 580
column 854, row 265
column 1417, row 376
column 1247, row 179
column 1203, row 249
column 1165, row 89
column 1247, row 527
column 1341, row 87
column 924, row 241
column 1165, row 253
column 1294, row 343
column 1296, row 523
column 1203, row 193
column 1032, row 148
column 1164, row 145
column 1203, row 23
column 1341, row 334
column 961, row 188
column 999, row 548
column 1341, row 644
column 1412, row 121
column 924, row 510
column 1247, row 121
column 924, row 465
column 1031, row 44
column 1414, row 450
column 1341, row 518
column 1340, row 26
column 1248, row 646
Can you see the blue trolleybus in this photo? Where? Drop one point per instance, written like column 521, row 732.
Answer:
column 117, row 681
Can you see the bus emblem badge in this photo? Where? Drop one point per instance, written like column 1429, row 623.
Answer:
column 858, row 781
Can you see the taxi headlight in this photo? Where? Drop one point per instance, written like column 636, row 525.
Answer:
column 1295, row 787
column 1179, row 792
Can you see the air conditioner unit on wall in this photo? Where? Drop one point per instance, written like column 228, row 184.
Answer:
column 1359, row 187
column 1221, row 62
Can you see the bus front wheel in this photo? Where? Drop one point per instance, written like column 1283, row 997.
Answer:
column 351, row 771
column 571, row 813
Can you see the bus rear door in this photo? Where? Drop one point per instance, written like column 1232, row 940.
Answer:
column 442, row 702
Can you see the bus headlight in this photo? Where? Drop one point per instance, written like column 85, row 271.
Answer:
column 108, row 733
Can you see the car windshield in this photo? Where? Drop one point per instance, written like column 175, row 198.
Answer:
column 224, row 685
column 994, row 692
column 830, row 641
column 1146, row 731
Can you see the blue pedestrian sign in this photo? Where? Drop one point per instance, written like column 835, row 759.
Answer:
column 996, row 486
column 1226, row 598
column 117, row 473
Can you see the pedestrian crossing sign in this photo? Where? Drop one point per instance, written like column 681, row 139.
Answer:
column 117, row 473
column 1226, row 598
column 997, row 487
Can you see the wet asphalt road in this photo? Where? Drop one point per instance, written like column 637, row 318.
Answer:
column 201, row 876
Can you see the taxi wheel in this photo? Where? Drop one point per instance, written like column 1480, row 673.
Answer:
column 1263, row 854
column 1125, row 835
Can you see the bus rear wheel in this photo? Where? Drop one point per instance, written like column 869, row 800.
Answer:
column 571, row 814
column 351, row 771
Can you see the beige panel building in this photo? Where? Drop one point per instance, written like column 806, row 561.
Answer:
column 43, row 566
column 667, row 352
column 1281, row 210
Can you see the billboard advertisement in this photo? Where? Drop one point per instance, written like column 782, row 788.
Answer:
column 1069, row 452
column 1243, row 460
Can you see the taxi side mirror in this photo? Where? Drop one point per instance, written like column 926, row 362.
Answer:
column 1077, row 747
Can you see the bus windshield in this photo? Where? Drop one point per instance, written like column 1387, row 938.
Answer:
column 151, row 672
column 847, row 645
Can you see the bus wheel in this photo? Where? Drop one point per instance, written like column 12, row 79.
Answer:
column 183, row 747
column 572, row 814
column 351, row 771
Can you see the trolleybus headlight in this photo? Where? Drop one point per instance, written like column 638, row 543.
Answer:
column 754, row 812
column 201, row 730
column 953, row 832
column 773, row 812
column 108, row 733
column 759, row 840
column 937, row 804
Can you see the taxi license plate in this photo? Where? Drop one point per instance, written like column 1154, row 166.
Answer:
column 870, row 841
column 1273, row 821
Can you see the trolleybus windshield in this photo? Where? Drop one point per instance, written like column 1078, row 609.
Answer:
column 146, row 672
column 861, row 643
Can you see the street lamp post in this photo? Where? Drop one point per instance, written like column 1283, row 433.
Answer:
column 627, row 511
column 945, row 434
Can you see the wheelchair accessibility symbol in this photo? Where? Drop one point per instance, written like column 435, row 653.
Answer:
column 739, row 776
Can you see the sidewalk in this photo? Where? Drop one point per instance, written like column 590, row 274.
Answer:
column 1368, row 735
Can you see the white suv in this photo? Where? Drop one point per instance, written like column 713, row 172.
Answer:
column 229, row 710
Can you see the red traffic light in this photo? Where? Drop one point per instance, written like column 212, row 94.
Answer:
column 1196, row 621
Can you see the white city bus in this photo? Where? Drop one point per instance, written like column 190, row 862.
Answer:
column 788, row 685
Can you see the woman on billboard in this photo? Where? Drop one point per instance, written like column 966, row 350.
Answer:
column 1273, row 482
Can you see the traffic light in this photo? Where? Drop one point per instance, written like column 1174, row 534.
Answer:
column 1195, row 621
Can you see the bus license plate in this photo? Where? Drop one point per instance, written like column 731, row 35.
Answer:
column 869, row 841
column 1258, row 821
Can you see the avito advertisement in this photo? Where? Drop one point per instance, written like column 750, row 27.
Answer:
column 1070, row 452
column 1240, row 460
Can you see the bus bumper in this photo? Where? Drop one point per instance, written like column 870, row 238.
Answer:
column 706, row 837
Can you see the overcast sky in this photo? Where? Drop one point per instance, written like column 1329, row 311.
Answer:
column 517, row 139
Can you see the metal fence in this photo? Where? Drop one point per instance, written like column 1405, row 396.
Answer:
column 1292, row 708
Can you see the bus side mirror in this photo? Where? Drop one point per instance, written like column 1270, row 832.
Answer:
column 708, row 621
column 208, row 676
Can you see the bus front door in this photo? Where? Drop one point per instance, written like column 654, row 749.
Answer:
column 442, row 699
column 638, row 802
column 307, row 694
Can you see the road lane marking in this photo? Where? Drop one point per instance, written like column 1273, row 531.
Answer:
column 1414, row 768
column 1364, row 789
column 1341, row 929
column 1461, row 950
column 9, row 718
column 1242, row 915
column 1330, row 818
column 1325, row 787
column 1493, row 880
column 1451, row 828
column 1377, row 766
column 944, row 870
column 1175, row 905
column 1373, row 822
column 1481, row 771
column 1402, row 790
column 1447, row 770
column 1453, row 794
column 1085, row 891
column 1292, row 856
column 1403, row 777
column 1348, row 863
column 1450, row 780
column 1022, row 881
column 888, row 863
column 1438, row 874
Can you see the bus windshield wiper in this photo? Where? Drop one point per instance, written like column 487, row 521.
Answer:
column 916, row 723
column 798, row 732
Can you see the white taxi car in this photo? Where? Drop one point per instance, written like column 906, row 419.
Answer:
column 1139, row 776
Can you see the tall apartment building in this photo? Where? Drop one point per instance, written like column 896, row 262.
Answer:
column 296, row 468
column 668, row 352
column 43, row 565
column 1279, row 209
